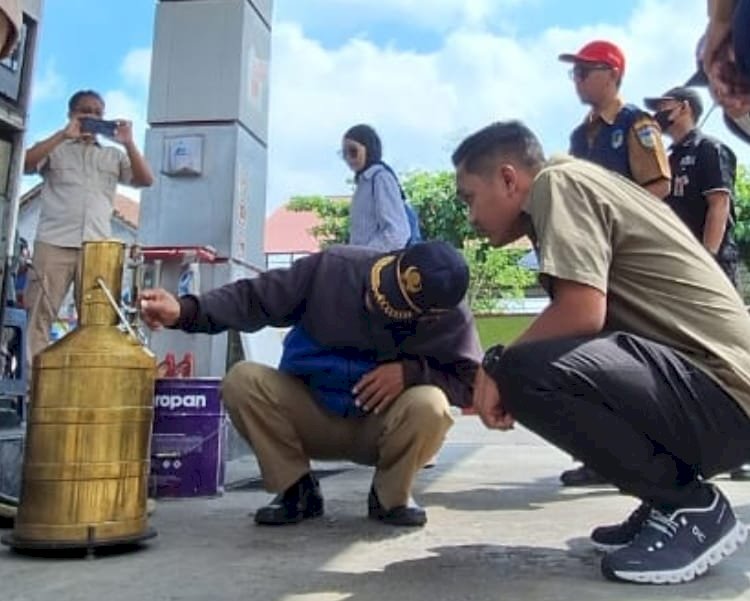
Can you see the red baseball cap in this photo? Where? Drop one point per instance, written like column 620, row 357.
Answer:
column 598, row 51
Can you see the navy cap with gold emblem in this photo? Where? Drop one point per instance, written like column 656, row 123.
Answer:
column 424, row 279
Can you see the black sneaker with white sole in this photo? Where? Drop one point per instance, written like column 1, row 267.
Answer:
column 678, row 546
column 610, row 538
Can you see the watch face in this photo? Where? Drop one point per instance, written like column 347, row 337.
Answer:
column 492, row 357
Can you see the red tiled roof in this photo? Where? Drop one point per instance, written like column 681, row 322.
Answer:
column 127, row 210
column 290, row 232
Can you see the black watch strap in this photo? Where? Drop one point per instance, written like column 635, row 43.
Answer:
column 492, row 358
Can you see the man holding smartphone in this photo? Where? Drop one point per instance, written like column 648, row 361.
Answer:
column 80, row 179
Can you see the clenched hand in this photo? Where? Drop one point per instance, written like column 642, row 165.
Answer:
column 158, row 308
column 488, row 403
column 124, row 132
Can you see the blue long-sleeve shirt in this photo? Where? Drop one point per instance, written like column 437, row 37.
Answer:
column 377, row 214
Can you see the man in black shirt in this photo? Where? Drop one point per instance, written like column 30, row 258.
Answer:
column 703, row 174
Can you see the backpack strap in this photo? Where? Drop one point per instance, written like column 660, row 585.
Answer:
column 388, row 168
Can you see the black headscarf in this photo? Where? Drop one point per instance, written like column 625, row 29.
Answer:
column 368, row 137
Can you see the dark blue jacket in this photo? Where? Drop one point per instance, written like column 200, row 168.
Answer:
column 325, row 293
column 329, row 373
column 610, row 146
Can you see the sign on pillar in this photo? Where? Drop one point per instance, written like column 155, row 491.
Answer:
column 207, row 141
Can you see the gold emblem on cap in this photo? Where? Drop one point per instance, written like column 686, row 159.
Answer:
column 412, row 280
column 409, row 282
column 380, row 298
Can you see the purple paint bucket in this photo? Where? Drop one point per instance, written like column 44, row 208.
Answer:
column 188, row 447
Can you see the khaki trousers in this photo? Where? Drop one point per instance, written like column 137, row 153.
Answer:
column 278, row 416
column 54, row 268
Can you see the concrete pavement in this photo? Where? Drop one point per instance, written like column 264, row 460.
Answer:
column 500, row 528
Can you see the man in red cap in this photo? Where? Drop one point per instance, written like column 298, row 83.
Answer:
column 615, row 135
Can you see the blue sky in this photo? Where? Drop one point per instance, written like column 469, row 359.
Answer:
column 84, row 45
column 423, row 77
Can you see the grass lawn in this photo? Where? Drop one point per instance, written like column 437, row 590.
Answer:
column 501, row 329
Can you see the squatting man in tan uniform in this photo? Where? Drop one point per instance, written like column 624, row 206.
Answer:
column 380, row 344
column 640, row 364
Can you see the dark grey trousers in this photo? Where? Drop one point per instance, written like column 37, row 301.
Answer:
column 631, row 409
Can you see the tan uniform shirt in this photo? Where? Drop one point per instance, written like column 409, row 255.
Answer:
column 646, row 153
column 12, row 11
column 80, row 181
column 597, row 229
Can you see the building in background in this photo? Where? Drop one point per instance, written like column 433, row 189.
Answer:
column 124, row 227
column 288, row 236
column 124, row 217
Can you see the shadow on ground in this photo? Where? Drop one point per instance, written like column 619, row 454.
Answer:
column 494, row 572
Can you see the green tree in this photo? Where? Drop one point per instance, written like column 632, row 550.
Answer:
column 441, row 215
column 742, row 207
column 333, row 214
column 494, row 272
column 432, row 194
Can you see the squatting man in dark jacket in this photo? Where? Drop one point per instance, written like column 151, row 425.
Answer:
column 380, row 345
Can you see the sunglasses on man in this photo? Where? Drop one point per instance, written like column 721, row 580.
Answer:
column 582, row 70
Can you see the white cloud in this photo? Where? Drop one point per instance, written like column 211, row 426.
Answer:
column 421, row 103
column 48, row 84
column 136, row 67
column 121, row 105
column 440, row 15
column 130, row 101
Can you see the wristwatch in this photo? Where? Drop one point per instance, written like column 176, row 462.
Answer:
column 492, row 358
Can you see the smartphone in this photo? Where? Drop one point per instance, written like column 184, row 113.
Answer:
column 98, row 126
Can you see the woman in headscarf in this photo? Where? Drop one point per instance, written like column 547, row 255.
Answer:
column 378, row 212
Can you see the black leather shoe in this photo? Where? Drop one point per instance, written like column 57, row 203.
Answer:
column 300, row 501
column 741, row 473
column 581, row 476
column 403, row 515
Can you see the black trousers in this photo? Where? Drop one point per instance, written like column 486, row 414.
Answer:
column 730, row 266
column 633, row 410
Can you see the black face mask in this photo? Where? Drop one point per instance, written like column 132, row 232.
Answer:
column 663, row 119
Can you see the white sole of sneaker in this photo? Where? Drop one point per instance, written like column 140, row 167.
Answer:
column 600, row 548
column 724, row 547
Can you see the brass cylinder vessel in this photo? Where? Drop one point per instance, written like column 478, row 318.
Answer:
column 86, row 463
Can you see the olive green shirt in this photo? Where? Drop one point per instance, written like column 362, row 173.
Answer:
column 597, row 228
